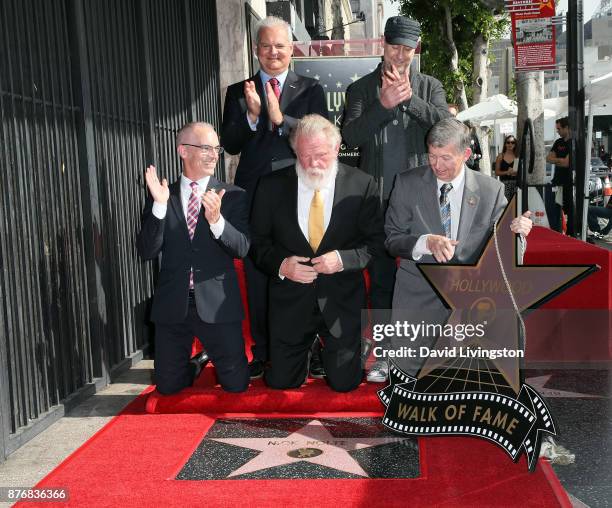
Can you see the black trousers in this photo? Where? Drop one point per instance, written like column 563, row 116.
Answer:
column 289, row 357
column 257, row 295
column 382, row 271
column 223, row 343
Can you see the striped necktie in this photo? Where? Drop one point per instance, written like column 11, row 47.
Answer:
column 445, row 212
column 193, row 210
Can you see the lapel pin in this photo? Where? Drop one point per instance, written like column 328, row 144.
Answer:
column 471, row 201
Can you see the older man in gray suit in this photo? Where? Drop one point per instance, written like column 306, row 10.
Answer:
column 442, row 212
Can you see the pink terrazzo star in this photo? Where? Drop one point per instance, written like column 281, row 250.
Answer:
column 312, row 443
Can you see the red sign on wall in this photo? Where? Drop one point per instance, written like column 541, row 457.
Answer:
column 533, row 34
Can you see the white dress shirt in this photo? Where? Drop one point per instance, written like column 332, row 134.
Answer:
column 264, row 79
column 304, row 199
column 159, row 209
column 455, row 196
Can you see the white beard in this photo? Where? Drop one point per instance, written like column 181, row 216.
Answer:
column 316, row 178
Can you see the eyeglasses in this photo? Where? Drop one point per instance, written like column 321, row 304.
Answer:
column 511, row 142
column 279, row 47
column 207, row 148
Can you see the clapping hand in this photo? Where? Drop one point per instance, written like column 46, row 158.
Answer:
column 211, row 201
column 159, row 191
column 395, row 88
column 252, row 100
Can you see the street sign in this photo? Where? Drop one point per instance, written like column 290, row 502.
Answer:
column 533, row 34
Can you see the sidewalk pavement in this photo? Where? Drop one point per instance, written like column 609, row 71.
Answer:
column 33, row 461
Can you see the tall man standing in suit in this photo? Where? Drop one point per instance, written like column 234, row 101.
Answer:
column 199, row 225
column 313, row 243
column 387, row 115
column 442, row 212
column 258, row 117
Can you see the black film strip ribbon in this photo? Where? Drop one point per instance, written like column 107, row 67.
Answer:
column 544, row 423
column 513, row 424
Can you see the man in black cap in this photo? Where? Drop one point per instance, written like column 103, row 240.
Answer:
column 387, row 115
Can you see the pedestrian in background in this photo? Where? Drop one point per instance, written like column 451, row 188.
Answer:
column 506, row 166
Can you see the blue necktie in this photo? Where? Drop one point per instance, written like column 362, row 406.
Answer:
column 445, row 212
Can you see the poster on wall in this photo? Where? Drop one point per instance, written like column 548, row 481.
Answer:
column 533, row 34
column 335, row 75
column 252, row 19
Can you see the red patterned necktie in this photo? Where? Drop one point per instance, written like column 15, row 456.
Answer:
column 275, row 87
column 193, row 209
column 277, row 91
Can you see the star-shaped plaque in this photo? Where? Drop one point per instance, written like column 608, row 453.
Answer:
column 539, row 383
column 493, row 293
column 312, row 443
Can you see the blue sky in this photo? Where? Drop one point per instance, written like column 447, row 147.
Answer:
column 589, row 6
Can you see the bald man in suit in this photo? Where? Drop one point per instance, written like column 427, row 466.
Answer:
column 198, row 225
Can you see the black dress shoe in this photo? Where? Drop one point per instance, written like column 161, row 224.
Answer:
column 316, row 363
column 256, row 369
column 366, row 348
column 199, row 361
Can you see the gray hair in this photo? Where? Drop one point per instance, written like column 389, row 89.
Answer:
column 272, row 21
column 449, row 131
column 189, row 127
column 315, row 125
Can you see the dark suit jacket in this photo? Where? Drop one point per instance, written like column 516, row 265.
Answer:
column 217, row 293
column 414, row 210
column 355, row 230
column 259, row 149
column 365, row 119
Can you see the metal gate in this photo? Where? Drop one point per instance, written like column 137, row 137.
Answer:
column 90, row 93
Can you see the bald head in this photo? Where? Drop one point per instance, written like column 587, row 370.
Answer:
column 192, row 130
column 198, row 148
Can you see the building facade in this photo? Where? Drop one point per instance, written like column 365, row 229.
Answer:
column 91, row 92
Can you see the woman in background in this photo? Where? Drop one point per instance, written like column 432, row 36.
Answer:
column 505, row 166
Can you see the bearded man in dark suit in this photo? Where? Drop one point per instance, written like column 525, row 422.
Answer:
column 314, row 241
